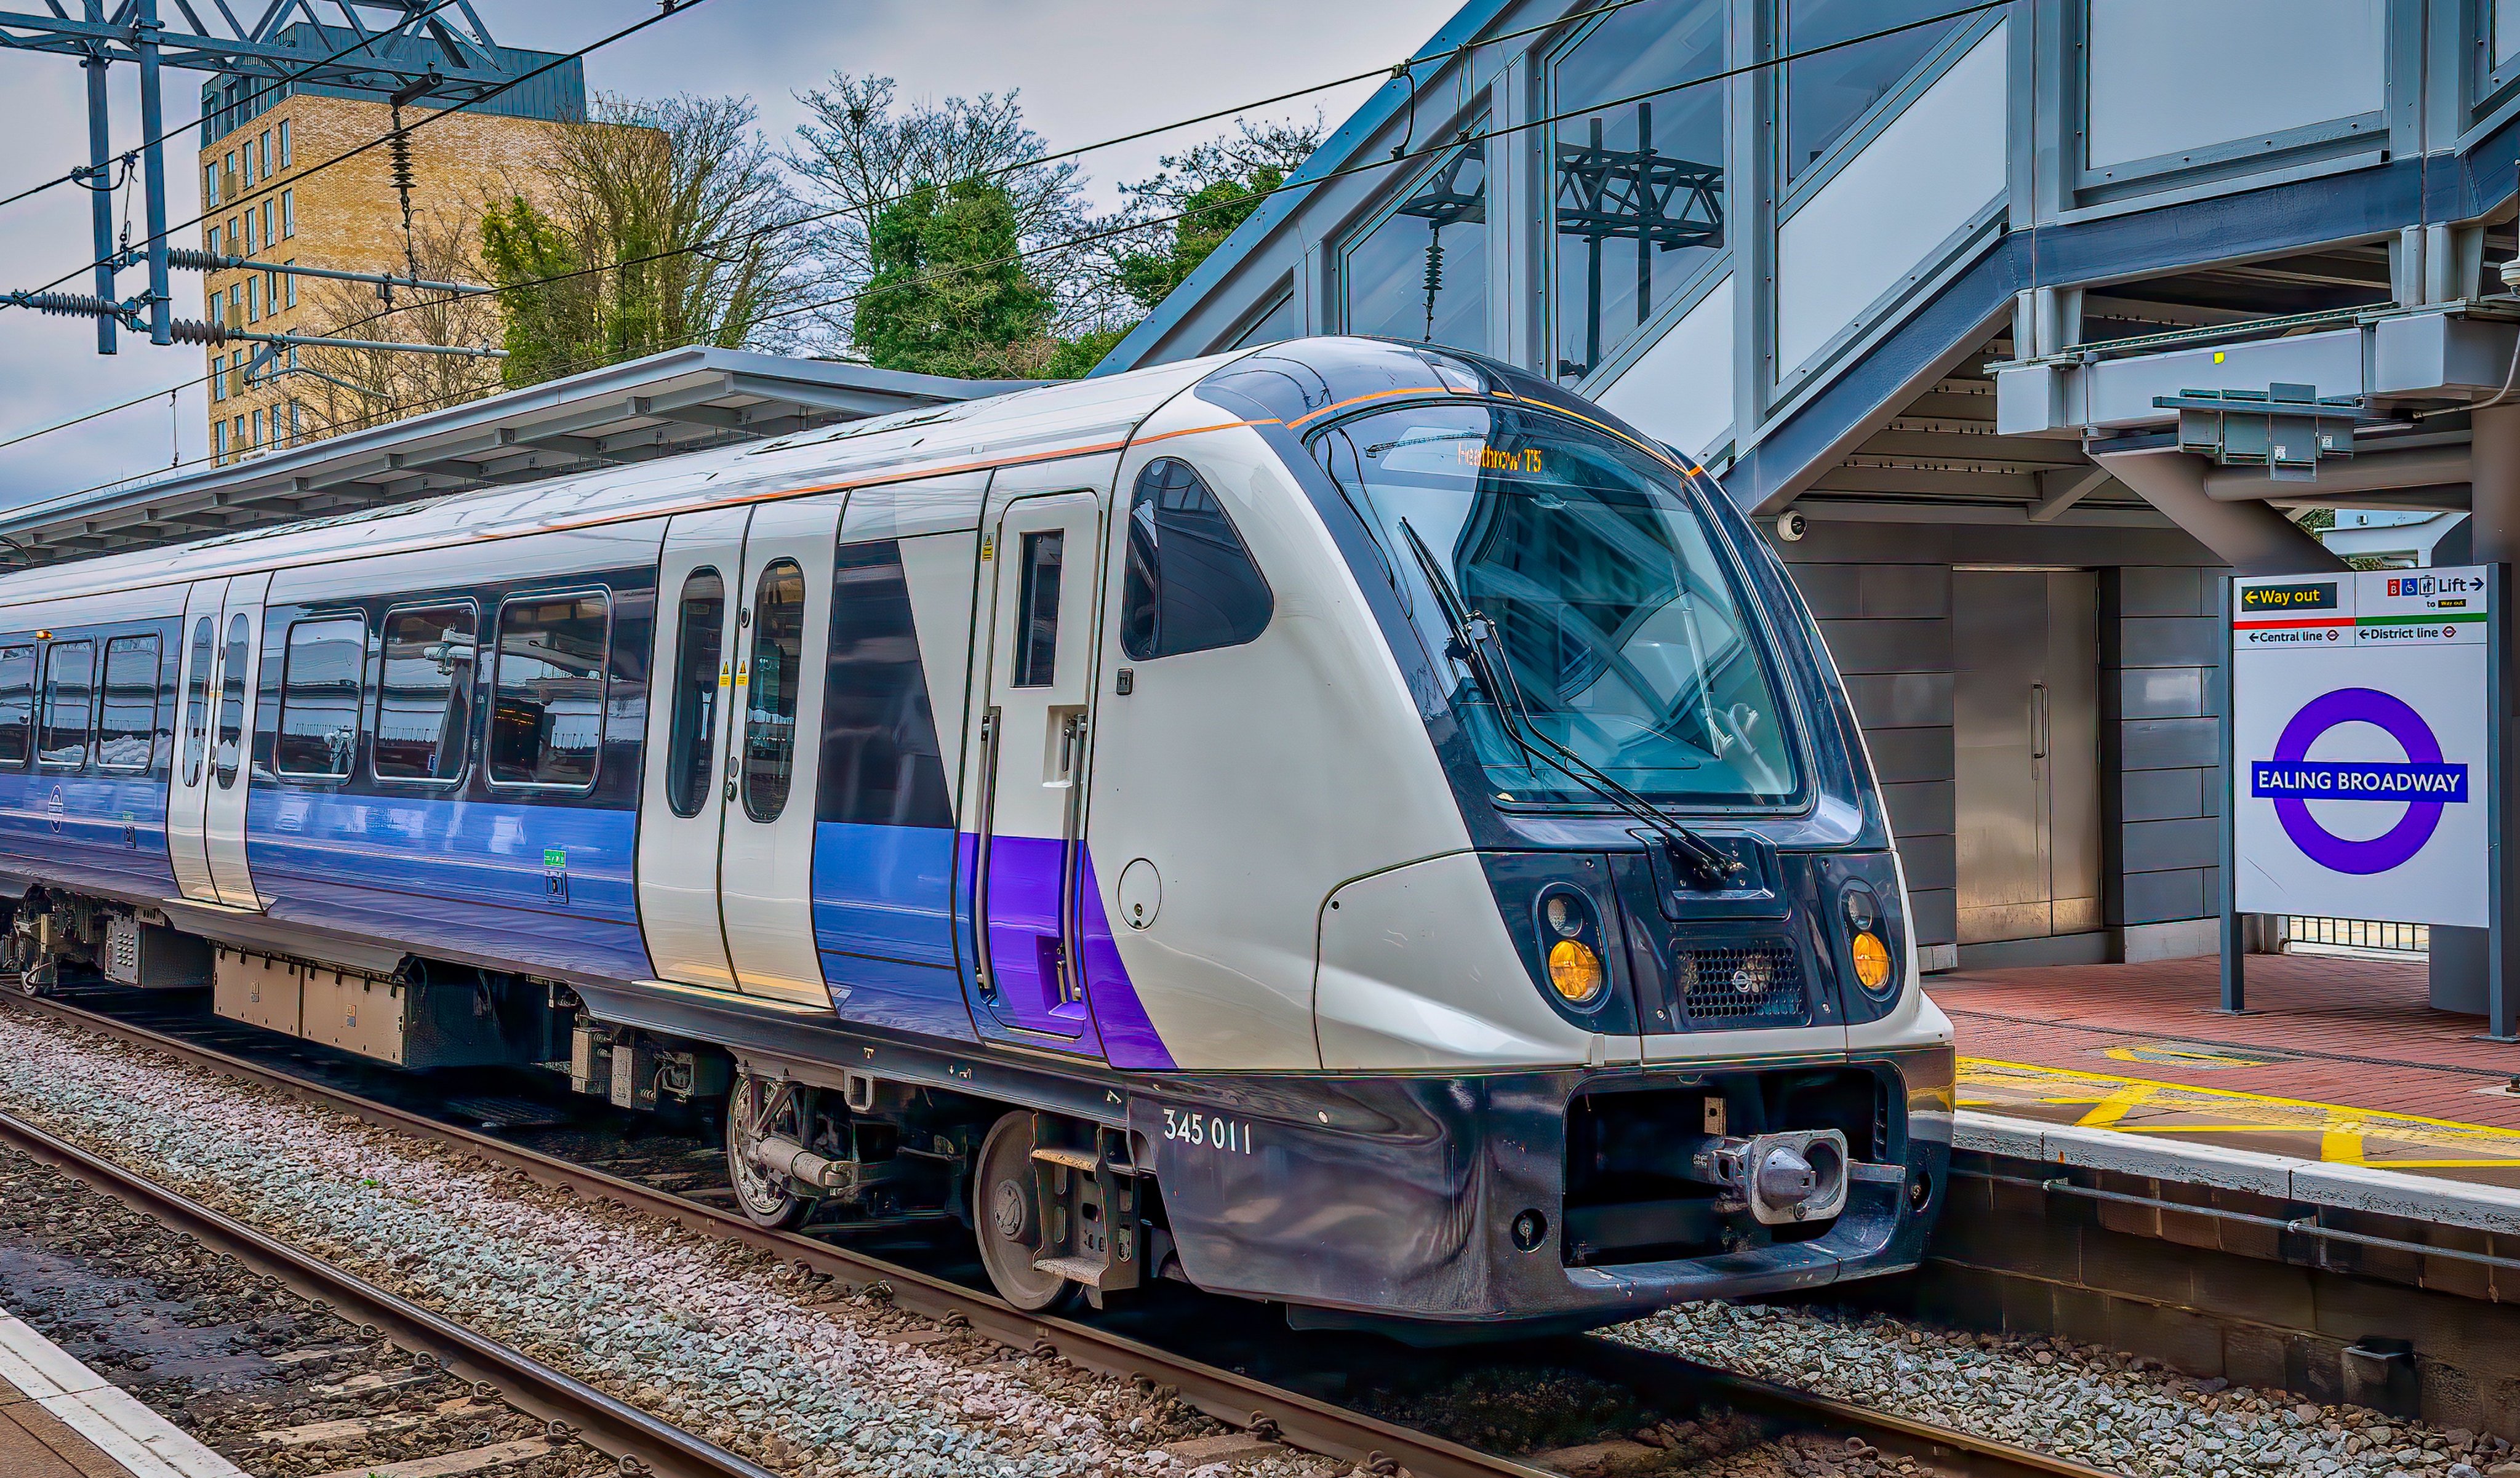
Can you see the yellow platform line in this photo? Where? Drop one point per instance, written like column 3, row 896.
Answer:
column 2347, row 1135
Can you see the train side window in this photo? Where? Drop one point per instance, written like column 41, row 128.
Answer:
column 318, row 697
column 1191, row 584
column 69, row 704
column 776, row 671
column 1037, row 609
column 196, row 701
column 229, row 753
column 16, row 705
column 691, row 749
column 126, row 736
column 547, row 690
column 425, row 694
column 882, row 764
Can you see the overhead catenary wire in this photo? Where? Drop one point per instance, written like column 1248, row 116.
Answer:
column 290, row 80
column 1301, row 183
column 387, row 137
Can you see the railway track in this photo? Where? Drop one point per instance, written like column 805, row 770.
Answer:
column 645, row 1443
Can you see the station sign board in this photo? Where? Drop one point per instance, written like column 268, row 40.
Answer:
column 2361, row 744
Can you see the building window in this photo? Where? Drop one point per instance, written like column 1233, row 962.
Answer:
column 318, row 697
column 236, row 234
column 271, row 293
column 289, row 287
column 1422, row 271
column 424, row 695
column 296, row 425
column 266, row 224
column 287, row 213
column 256, row 444
column 253, row 300
column 237, row 434
column 1828, row 95
column 547, row 690
column 214, row 241
column 126, row 737
column 1637, row 187
column 267, row 154
column 218, row 378
column 284, row 143
column 209, row 188
column 218, row 441
column 228, row 185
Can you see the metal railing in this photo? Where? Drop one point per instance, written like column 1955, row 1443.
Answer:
column 2356, row 933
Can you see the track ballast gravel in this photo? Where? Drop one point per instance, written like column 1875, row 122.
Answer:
column 720, row 1339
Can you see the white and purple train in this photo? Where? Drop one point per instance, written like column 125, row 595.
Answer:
column 1344, row 823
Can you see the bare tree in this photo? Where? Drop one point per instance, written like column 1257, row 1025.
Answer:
column 865, row 149
column 351, row 389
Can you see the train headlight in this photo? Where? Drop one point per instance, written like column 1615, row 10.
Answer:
column 1871, row 962
column 1575, row 971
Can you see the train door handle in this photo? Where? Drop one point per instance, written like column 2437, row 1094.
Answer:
column 729, row 789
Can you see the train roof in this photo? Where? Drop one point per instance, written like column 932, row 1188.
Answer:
column 923, row 442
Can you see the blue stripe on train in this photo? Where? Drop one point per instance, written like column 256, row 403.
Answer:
column 107, row 831
column 544, row 887
column 883, row 923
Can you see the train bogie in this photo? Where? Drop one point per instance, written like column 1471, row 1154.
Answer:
column 1345, row 824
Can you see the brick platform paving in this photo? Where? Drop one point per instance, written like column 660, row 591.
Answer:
column 2344, row 1031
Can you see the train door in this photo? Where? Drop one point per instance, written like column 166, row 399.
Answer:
column 232, row 723
column 189, row 787
column 1044, row 552
column 682, row 805
column 774, row 754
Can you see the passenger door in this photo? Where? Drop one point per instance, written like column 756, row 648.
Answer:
column 233, row 693
column 188, row 786
column 726, row 836
column 682, row 817
column 1043, row 557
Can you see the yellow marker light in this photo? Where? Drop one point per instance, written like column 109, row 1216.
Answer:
column 1576, row 971
column 1872, row 961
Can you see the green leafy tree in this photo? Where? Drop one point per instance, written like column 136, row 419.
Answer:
column 948, row 293
column 1207, row 216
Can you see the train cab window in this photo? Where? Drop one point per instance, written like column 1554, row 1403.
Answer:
column 69, row 704
column 547, row 690
column 698, row 646
column 196, row 701
column 1191, row 584
column 1037, row 609
column 229, row 753
column 425, row 694
column 775, row 671
column 318, row 697
column 126, row 734
column 17, row 704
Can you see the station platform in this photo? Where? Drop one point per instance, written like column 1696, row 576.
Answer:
column 61, row 1420
column 2339, row 1060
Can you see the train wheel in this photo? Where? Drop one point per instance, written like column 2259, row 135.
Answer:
column 757, row 1109
column 1005, row 1214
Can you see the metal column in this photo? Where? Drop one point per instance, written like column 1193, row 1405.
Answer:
column 153, row 164
column 99, row 199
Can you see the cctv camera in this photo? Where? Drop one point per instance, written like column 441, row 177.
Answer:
column 1791, row 525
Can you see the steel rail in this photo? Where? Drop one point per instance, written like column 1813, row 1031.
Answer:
column 570, row 1409
column 1237, row 1401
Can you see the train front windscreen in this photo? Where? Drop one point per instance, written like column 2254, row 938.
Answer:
column 1619, row 623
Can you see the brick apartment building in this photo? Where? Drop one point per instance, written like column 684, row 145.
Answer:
column 268, row 194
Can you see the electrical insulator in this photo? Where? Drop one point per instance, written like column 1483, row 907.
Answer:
column 191, row 331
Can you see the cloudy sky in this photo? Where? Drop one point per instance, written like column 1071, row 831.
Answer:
column 1085, row 72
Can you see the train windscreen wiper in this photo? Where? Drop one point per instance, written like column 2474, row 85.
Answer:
column 1478, row 646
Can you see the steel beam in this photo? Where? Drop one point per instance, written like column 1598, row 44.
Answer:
column 98, row 184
